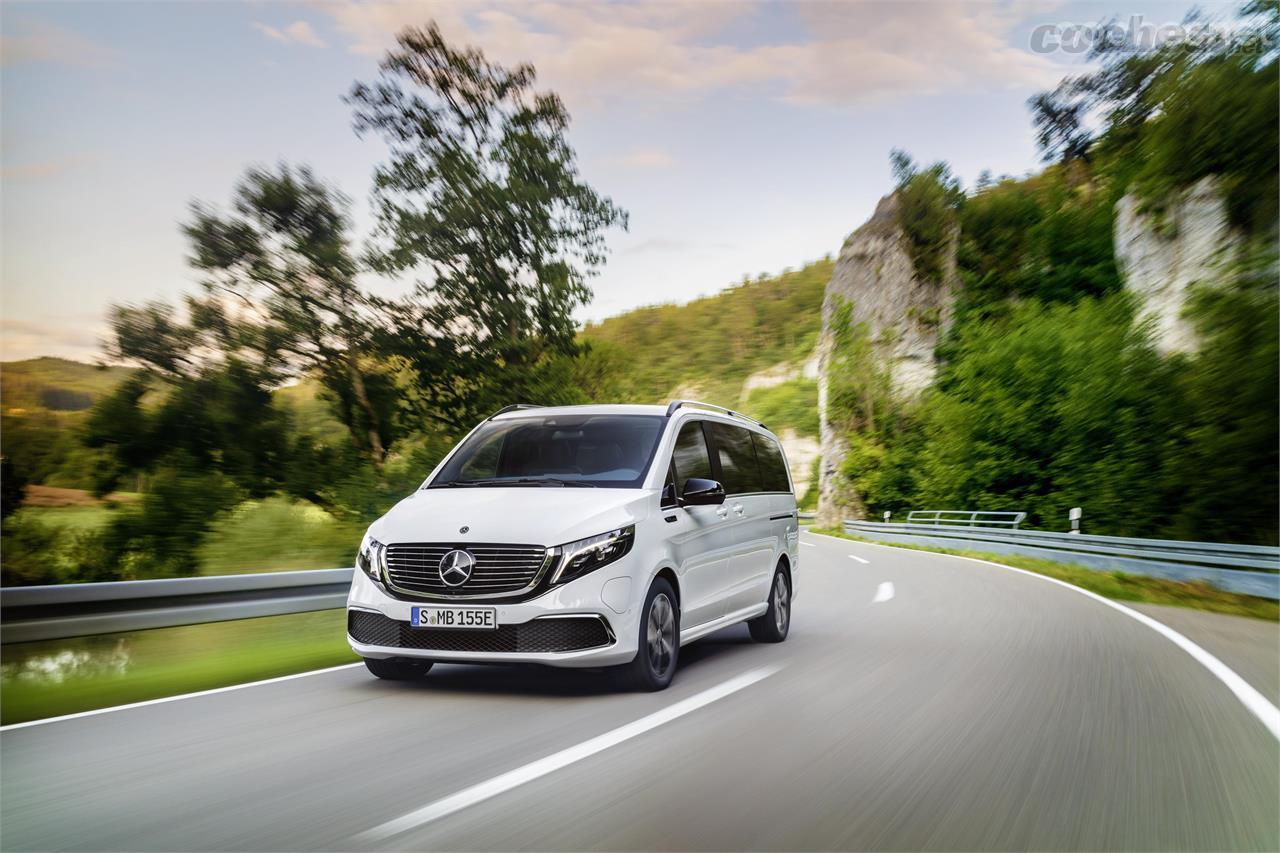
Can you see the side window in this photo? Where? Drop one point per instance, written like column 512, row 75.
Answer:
column 737, row 459
column 773, row 468
column 690, row 457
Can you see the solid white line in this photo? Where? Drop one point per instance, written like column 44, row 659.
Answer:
column 1257, row 704
column 859, row 559
column 884, row 593
column 534, row 770
column 808, row 545
column 164, row 699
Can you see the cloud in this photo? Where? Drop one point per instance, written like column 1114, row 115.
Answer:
column 34, row 41
column 40, row 169
column 299, row 32
column 68, row 337
column 833, row 54
column 647, row 158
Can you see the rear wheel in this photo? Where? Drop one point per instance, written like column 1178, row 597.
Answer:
column 772, row 626
column 655, row 661
column 398, row 669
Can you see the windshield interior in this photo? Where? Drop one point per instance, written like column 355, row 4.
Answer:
column 611, row 451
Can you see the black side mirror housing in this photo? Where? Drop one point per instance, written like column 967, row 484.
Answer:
column 700, row 492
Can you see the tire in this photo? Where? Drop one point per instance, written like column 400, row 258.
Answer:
column 659, row 641
column 772, row 625
column 398, row 669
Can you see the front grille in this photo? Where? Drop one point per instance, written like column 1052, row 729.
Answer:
column 500, row 569
column 560, row 634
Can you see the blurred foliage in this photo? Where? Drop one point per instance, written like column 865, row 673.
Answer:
column 928, row 199
column 278, row 534
column 793, row 404
column 1046, row 237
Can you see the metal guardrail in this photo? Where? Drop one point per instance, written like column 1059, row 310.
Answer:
column 1248, row 569
column 29, row 613
column 964, row 516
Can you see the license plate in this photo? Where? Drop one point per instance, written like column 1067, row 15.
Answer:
column 464, row 618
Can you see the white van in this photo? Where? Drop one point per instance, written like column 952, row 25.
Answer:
column 582, row 536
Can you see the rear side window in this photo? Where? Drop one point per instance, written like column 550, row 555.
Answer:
column 738, row 467
column 690, row 457
column 773, row 468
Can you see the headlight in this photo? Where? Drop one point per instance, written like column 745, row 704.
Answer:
column 587, row 555
column 372, row 557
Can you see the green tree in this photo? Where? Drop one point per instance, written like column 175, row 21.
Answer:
column 286, row 253
column 1048, row 408
column 482, row 197
column 928, row 200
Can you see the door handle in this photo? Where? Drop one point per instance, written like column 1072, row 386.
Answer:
column 722, row 511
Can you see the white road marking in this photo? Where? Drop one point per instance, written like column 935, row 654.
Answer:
column 808, row 545
column 884, row 593
column 1257, row 704
column 859, row 559
column 164, row 699
column 534, row 770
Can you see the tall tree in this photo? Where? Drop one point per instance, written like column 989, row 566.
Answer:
column 482, row 197
column 286, row 252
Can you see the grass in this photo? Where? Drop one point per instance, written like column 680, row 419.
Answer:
column 69, row 519
column 1116, row 585
column 48, row 679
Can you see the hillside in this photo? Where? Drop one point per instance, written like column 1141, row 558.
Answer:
column 709, row 348
column 55, row 384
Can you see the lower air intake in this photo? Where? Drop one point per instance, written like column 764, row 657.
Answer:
column 566, row 634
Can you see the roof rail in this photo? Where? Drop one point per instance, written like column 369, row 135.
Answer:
column 676, row 404
column 515, row 407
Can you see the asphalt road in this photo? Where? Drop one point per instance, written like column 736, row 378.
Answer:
column 920, row 702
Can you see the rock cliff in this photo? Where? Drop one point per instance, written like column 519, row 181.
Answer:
column 904, row 315
column 1161, row 257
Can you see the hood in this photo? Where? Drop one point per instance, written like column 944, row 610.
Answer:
column 521, row 515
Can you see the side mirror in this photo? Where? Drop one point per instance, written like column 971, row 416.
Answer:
column 699, row 492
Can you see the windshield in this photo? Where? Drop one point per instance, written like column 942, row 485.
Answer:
column 610, row 451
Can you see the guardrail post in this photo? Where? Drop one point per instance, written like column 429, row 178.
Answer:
column 1074, row 514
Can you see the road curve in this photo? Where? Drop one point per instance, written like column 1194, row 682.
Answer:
column 921, row 702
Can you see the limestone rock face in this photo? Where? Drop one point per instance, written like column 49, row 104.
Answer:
column 1161, row 257
column 904, row 314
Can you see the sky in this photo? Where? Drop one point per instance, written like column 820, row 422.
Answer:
column 742, row 137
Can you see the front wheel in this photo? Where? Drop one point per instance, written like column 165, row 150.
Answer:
column 772, row 625
column 398, row 669
column 655, row 661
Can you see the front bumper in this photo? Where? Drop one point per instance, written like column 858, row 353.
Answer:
column 605, row 593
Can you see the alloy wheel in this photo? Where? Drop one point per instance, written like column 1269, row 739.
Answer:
column 781, row 602
column 661, row 634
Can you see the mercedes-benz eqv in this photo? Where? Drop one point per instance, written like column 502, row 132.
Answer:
column 582, row 536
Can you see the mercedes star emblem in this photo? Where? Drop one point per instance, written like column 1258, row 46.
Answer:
column 456, row 567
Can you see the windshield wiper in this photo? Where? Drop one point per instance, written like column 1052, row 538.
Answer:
column 453, row 484
column 513, row 481
column 557, row 480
